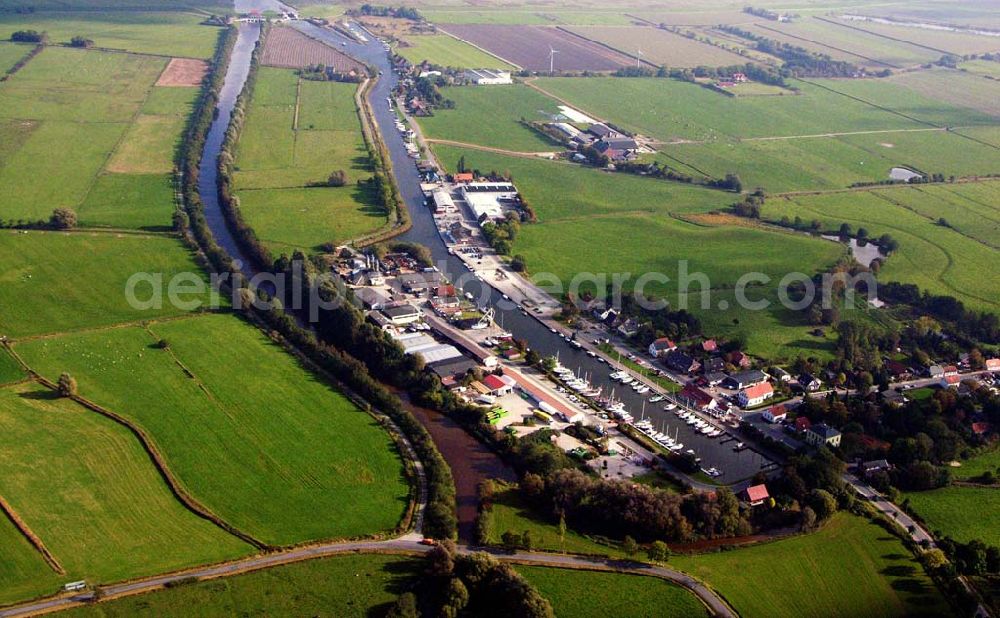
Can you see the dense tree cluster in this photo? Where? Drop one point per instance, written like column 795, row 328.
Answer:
column 29, row 36
column 502, row 234
column 798, row 61
column 402, row 12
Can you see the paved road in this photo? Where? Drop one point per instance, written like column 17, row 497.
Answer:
column 916, row 531
column 406, row 544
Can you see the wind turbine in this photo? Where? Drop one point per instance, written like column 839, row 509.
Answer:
column 552, row 58
column 638, row 57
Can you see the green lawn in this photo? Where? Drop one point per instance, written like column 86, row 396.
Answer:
column 941, row 260
column 173, row 33
column 963, row 513
column 275, row 163
column 255, row 437
column 53, row 282
column 24, row 574
column 169, row 100
column 349, row 586
column 86, row 487
column 444, row 50
column 849, row 568
column 491, row 116
column 585, row 594
column 669, row 109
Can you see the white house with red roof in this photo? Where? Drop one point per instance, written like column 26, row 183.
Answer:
column 661, row 346
column 993, row 364
column 756, row 494
column 755, row 395
column 697, row 398
column 952, row 380
column 775, row 414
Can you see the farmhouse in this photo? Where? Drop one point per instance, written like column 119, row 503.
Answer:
column 821, row 434
column 661, row 346
column 775, row 414
column 755, row 395
column 756, row 494
column 488, row 200
column 488, row 77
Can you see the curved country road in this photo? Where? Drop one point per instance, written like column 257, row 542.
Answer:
column 407, row 544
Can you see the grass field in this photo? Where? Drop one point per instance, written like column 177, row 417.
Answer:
column 491, row 116
column 591, row 594
column 10, row 370
column 267, row 446
column 85, row 486
column 510, row 514
column 631, row 218
column 989, row 68
column 48, row 286
column 514, row 15
column 941, row 260
column 447, row 51
column 821, row 574
column 276, row 161
column 985, row 462
column 669, row 109
column 140, row 201
column 349, row 586
column 10, row 53
column 93, row 121
column 943, row 40
column 24, row 574
column 173, row 33
column 820, row 163
column 660, row 47
column 963, row 513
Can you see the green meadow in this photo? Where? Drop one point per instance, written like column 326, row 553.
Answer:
column 855, row 41
column 251, row 434
column 668, row 109
column 296, row 134
column 10, row 53
column 849, row 568
column 939, row 259
column 446, row 51
column 86, row 487
column 594, row 594
column 168, row 33
column 93, row 120
column 491, row 116
column 348, row 586
column 55, row 281
column 825, row 163
column 988, row 461
column 10, row 370
column 963, row 513
column 24, row 574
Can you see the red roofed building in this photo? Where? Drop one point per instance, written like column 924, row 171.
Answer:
column 802, row 423
column 993, row 364
column 661, row 346
column 980, row 428
column 950, row 370
column 497, row 386
column 756, row 494
column 464, row 177
column 775, row 414
column 697, row 398
column 755, row 395
column 709, row 345
column 952, row 380
column 739, row 77
column 740, row 359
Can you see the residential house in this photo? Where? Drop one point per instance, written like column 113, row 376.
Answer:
column 935, row 371
column 755, row 395
column 809, row 382
column 745, row 379
column 950, row 381
column 950, row 370
column 681, row 362
column 713, row 364
column 628, row 328
column 756, row 495
column 897, row 370
column 714, row 378
column 661, row 347
column 894, row 398
column 775, row 414
column 709, row 345
column 993, row 364
column 696, row 398
column 739, row 78
column 739, row 359
column 874, row 465
column 821, row 434
column 463, row 177
column 782, row 375
column 980, row 428
column 607, row 315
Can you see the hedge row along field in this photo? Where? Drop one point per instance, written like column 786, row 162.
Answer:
column 280, row 456
column 83, row 484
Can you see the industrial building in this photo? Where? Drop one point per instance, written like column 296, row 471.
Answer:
column 488, row 77
column 488, row 200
